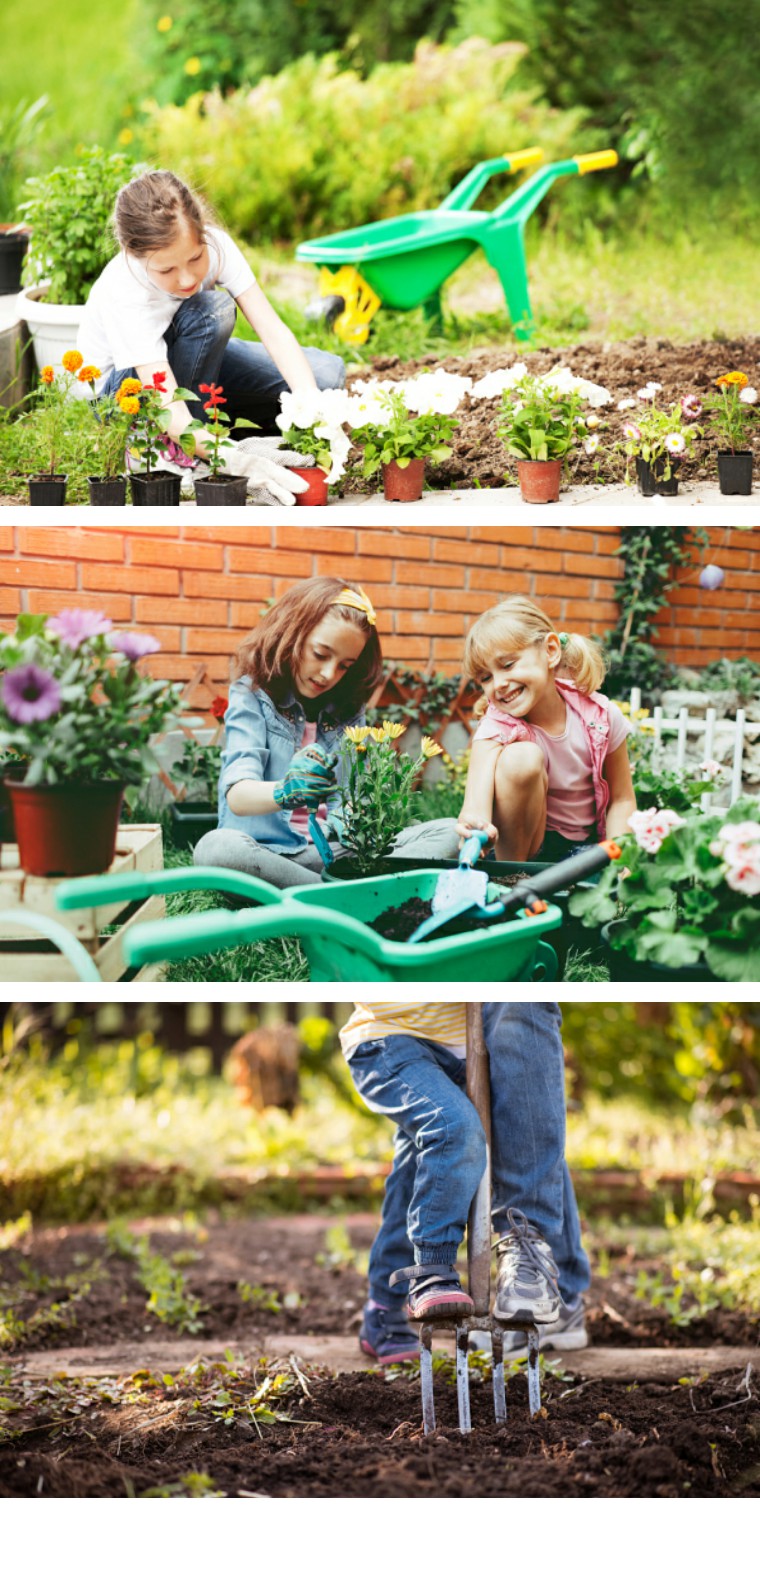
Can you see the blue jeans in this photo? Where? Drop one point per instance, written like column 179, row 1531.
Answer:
column 201, row 349
column 439, row 1147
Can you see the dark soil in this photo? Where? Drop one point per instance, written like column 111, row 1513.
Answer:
column 398, row 923
column 478, row 455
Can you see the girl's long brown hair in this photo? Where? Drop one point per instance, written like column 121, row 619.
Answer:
column 152, row 209
column 272, row 652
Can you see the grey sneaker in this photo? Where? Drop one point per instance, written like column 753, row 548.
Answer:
column 526, row 1284
column 568, row 1333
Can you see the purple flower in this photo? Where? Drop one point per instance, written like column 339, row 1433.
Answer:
column 74, row 626
column 133, row 646
column 31, row 694
column 711, row 577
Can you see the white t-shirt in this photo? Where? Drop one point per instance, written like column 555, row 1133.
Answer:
column 127, row 315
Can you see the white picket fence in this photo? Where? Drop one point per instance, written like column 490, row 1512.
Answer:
column 676, row 729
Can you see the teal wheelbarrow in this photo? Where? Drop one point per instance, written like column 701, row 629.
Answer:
column 403, row 262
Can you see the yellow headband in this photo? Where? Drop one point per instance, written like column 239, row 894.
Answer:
column 359, row 600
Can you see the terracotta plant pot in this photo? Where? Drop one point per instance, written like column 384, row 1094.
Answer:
column 651, row 480
column 403, row 485
column 222, row 491
column 66, row 829
column 539, row 480
column 111, row 493
column 13, row 773
column 47, row 491
column 155, row 491
column 14, row 240
column 735, row 473
column 316, row 479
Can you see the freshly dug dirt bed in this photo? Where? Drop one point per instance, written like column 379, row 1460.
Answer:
column 478, row 456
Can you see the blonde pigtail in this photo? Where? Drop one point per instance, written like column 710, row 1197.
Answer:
column 582, row 662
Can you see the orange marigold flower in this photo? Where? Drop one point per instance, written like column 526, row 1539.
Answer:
column 89, row 374
column 732, row 380
column 129, row 405
column 47, row 375
column 72, row 361
column 130, row 385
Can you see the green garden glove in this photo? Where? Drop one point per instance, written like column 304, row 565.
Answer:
column 308, row 780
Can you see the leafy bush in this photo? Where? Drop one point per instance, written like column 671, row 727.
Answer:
column 316, row 148
column 69, row 211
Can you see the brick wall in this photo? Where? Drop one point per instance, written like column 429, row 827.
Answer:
column 199, row 588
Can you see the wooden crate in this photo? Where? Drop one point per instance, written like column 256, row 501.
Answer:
column 29, row 958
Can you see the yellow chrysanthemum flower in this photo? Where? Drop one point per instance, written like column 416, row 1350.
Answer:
column 125, row 137
column 357, row 734
column 378, row 733
column 393, row 729
column 130, row 385
column 72, row 361
column 641, row 712
column 622, row 705
column 193, row 66
column 647, row 726
column 430, row 748
column 164, row 23
column 129, row 405
column 47, row 375
column 89, row 374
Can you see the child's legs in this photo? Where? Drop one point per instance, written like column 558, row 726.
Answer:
column 253, row 384
column 440, row 1151
column 229, row 849
column 196, row 340
column 527, row 1113
column 519, row 805
column 568, row 1252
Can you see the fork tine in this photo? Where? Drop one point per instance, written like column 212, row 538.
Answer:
column 463, row 1381
column 534, row 1373
column 426, row 1378
column 499, row 1391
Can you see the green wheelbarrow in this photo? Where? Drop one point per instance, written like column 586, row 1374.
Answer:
column 403, row 262
column 332, row 922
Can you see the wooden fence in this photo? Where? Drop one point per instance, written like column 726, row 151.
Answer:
column 671, row 736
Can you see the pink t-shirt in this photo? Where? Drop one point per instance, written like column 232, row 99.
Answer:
column 570, row 806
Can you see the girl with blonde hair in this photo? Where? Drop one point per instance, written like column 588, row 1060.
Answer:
column 549, row 768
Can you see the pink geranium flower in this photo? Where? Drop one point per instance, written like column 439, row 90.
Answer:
column 651, row 826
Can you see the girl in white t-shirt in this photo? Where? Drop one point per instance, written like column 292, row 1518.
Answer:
column 166, row 303
column 549, row 766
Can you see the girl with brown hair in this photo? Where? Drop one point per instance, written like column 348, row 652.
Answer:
column 304, row 676
column 166, row 304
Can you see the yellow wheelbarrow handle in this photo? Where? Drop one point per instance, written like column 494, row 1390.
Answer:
column 586, row 162
column 524, row 157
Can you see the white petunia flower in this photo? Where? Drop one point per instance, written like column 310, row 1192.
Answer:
column 494, row 383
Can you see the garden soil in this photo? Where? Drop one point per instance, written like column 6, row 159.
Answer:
column 478, row 457
column 138, row 1433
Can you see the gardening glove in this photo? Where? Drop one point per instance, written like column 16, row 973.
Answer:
column 308, row 779
column 267, row 468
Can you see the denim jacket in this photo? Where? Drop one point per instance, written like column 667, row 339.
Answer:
column 260, row 740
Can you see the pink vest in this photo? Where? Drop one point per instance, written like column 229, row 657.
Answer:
column 593, row 710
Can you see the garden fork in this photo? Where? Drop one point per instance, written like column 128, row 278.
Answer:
column 478, row 1270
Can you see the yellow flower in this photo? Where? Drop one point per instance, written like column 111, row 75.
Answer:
column 430, row 748
column 164, row 23
column 129, row 405
column 642, row 711
column 193, row 66
column 647, row 726
column 393, row 729
column 378, row 733
column 89, row 374
column 357, row 734
column 130, row 385
column 47, row 375
column 72, row 361
column 125, row 137
column 732, row 379
column 622, row 705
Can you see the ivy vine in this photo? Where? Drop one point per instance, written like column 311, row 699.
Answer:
column 651, row 555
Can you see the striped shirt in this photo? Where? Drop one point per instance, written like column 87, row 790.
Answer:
column 444, row 1024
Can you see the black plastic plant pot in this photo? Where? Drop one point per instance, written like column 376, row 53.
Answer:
column 190, row 821
column 625, row 969
column 155, row 491
column 107, row 494
column 47, row 491
column 735, row 473
column 651, row 480
column 224, row 491
column 13, row 248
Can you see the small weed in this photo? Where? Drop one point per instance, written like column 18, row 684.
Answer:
column 653, row 1289
column 339, row 1254
column 193, row 1485
column 168, row 1297
column 259, row 1295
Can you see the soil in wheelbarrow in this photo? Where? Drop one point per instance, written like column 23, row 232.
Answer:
column 360, row 1435
column 478, row 457
column 399, row 923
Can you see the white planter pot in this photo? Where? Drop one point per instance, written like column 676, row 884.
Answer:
column 53, row 329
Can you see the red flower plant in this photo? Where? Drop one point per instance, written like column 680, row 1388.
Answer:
column 219, row 706
column 159, row 381
column 214, row 395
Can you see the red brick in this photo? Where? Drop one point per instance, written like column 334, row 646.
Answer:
column 464, row 602
column 429, row 623
column 151, row 581
column 202, row 642
column 176, row 554
column 237, row 535
column 395, row 544
column 244, row 615
column 59, row 576
column 59, row 541
column 584, row 563
column 465, row 552
column 155, row 609
column 264, row 560
column 361, row 570
column 225, row 587
column 448, row 650
column 408, row 596
column 6, row 538
column 117, row 607
column 10, row 601
column 554, row 585
column 330, row 540
column 406, row 650
column 432, row 574
column 185, row 667
column 503, row 585
column 529, row 558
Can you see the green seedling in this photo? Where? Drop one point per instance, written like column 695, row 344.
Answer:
column 168, row 1297
column 339, row 1254
column 258, row 1295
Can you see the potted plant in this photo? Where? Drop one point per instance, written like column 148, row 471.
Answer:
column 312, row 422
column 48, row 488
column 658, row 438
column 374, row 798
column 402, row 425
column 542, row 420
column 74, row 703
column 731, row 409
column 219, row 487
column 19, row 126
column 196, row 774
column 685, row 903
column 111, row 424
column 149, row 419
column 69, row 211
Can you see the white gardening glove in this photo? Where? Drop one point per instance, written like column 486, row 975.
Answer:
column 267, row 468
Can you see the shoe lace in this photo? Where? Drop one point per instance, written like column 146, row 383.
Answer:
column 532, row 1265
